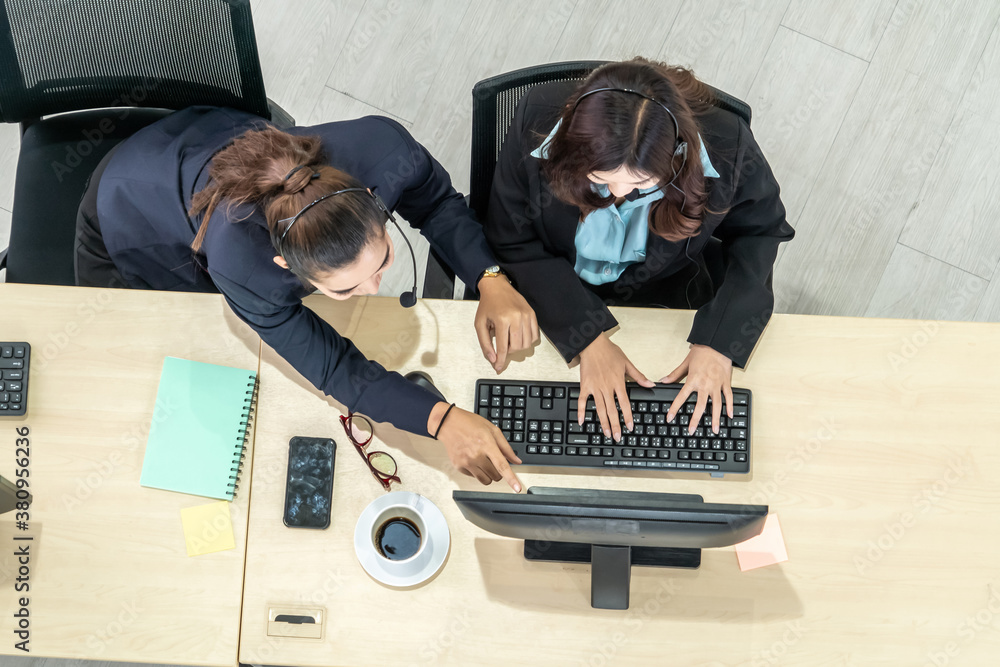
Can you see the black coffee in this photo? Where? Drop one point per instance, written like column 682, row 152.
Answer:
column 398, row 539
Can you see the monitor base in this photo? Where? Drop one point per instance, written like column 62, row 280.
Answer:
column 611, row 566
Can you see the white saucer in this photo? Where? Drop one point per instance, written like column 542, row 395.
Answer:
column 421, row 566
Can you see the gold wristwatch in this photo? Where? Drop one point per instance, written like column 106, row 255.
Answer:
column 491, row 272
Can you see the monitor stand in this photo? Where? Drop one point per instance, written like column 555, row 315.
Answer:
column 610, row 565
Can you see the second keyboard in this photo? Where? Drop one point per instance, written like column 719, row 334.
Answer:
column 539, row 420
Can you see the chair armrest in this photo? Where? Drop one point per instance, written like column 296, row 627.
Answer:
column 3, row 259
column 281, row 118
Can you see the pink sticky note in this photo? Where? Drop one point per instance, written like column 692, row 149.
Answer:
column 767, row 548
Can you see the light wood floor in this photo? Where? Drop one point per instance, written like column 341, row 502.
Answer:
column 879, row 117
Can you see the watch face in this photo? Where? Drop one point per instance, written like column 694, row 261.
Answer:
column 492, row 269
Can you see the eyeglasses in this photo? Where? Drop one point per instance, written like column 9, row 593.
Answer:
column 359, row 431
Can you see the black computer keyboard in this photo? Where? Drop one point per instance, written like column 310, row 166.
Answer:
column 13, row 378
column 539, row 420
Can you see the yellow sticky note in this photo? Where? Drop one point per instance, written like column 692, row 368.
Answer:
column 208, row 528
column 767, row 548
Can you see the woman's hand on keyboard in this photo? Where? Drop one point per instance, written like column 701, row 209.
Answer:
column 603, row 367
column 709, row 373
column 477, row 448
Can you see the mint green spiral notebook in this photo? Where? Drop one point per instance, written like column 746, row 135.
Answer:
column 200, row 428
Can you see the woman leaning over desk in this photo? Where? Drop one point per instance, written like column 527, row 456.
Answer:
column 607, row 193
column 214, row 199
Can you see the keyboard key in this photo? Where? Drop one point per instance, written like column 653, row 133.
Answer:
column 626, row 452
column 19, row 351
column 664, row 454
column 557, row 438
column 532, row 449
column 532, row 436
column 544, row 449
column 546, row 426
column 560, row 392
column 545, row 437
column 571, row 451
column 740, row 457
column 640, row 453
column 546, row 392
column 496, row 390
column 607, row 451
column 584, row 451
column 546, row 404
column 557, row 450
column 578, row 439
column 518, row 437
column 513, row 390
column 535, row 392
column 6, row 351
column 696, row 456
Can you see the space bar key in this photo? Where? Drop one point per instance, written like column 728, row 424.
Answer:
column 578, row 439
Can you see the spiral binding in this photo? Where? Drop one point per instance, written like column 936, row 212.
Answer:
column 249, row 407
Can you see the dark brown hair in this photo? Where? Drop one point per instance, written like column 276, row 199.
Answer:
column 610, row 130
column 252, row 170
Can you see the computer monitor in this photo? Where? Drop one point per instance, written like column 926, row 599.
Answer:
column 612, row 530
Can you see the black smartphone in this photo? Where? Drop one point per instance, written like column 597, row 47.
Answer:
column 309, row 483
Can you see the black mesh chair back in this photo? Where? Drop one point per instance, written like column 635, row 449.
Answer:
column 495, row 99
column 87, row 54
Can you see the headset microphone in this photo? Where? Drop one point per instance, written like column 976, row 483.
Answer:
column 408, row 299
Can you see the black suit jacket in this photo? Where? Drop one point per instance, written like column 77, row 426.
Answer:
column 145, row 193
column 533, row 235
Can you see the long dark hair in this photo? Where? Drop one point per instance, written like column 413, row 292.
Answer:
column 252, row 170
column 607, row 131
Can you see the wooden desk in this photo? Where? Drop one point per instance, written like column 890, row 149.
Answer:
column 875, row 443
column 109, row 575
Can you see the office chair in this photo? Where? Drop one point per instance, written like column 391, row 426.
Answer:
column 108, row 69
column 494, row 101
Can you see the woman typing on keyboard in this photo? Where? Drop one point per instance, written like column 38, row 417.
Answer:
column 629, row 189
column 217, row 200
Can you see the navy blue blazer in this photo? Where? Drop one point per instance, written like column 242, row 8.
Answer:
column 142, row 203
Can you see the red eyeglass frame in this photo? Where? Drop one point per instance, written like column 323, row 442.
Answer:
column 383, row 478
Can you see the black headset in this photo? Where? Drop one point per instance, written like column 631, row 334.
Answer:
column 680, row 147
column 406, row 299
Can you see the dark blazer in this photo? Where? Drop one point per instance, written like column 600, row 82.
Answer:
column 533, row 235
column 145, row 193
